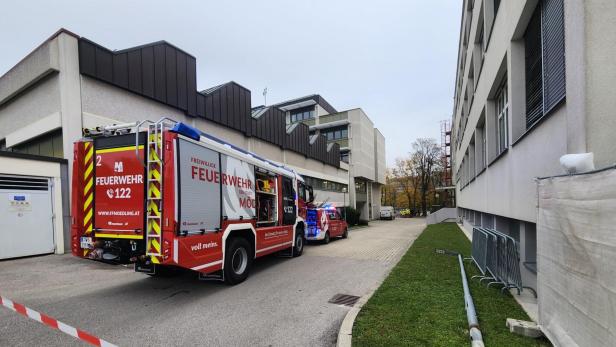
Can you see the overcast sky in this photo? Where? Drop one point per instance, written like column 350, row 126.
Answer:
column 394, row 59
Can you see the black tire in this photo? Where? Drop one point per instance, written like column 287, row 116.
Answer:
column 326, row 238
column 345, row 234
column 300, row 241
column 238, row 260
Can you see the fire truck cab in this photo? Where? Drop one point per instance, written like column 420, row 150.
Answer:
column 323, row 223
column 164, row 194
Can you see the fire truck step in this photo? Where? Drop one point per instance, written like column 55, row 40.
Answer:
column 216, row 276
column 285, row 253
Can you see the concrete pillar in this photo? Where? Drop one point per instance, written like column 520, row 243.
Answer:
column 70, row 94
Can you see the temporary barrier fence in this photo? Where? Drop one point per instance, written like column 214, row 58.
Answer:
column 497, row 257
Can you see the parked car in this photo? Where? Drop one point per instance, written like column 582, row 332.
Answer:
column 405, row 213
column 388, row 212
column 324, row 223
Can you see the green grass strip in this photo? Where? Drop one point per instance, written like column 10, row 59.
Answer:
column 421, row 303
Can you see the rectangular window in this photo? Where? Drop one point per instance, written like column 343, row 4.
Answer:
column 336, row 133
column 544, row 60
column 344, row 157
column 301, row 114
column 502, row 110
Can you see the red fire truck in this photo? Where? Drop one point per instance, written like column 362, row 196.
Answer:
column 164, row 194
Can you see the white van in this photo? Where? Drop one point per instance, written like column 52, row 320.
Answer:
column 387, row 212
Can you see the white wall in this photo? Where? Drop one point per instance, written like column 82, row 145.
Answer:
column 507, row 186
column 600, row 35
column 361, row 142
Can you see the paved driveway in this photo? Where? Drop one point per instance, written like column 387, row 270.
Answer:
column 283, row 302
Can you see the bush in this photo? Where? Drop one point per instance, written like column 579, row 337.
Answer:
column 352, row 215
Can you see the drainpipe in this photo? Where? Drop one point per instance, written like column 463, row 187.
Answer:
column 471, row 315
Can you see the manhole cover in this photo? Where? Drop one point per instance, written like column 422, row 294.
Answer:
column 344, row 299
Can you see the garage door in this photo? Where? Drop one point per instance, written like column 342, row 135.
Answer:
column 26, row 216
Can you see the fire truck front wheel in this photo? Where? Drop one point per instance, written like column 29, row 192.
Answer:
column 238, row 260
column 298, row 249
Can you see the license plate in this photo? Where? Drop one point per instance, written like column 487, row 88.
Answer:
column 86, row 242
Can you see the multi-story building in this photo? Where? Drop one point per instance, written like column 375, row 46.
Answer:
column 362, row 147
column 533, row 83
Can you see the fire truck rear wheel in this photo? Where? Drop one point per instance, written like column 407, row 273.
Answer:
column 238, row 260
column 298, row 249
column 345, row 234
column 326, row 238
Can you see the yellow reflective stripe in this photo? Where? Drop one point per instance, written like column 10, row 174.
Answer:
column 88, row 171
column 153, row 225
column 120, row 236
column 154, row 189
column 154, row 244
column 88, row 185
column 118, row 149
column 153, row 155
column 88, row 202
column 155, row 174
column 155, row 260
column 154, row 208
column 87, row 218
column 89, row 153
column 89, row 229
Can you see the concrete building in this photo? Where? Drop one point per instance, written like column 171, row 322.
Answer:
column 533, row 83
column 362, row 147
column 69, row 83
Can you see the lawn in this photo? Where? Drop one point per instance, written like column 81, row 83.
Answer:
column 421, row 302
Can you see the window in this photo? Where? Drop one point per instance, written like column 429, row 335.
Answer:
column 336, row 133
column 360, row 187
column 544, row 44
column 319, row 184
column 502, row 110
column 344, row 156
column 301, row 114
column 480, row 144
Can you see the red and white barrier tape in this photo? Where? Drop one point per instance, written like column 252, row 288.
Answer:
column 45, row 319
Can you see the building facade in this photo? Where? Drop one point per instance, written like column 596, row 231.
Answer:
column 531, row 85
column 69, row 83
column 362, row 150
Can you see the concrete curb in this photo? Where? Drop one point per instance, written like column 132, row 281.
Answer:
column 345, row 335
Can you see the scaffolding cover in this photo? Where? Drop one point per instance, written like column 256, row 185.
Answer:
column 576, row 250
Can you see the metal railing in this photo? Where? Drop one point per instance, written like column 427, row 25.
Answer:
column 497, row 257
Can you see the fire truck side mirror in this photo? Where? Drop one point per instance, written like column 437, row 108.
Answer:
column 310, row 194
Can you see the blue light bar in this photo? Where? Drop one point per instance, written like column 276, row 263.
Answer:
column 187, row 131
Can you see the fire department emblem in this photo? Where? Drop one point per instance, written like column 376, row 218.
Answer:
column 324, row 222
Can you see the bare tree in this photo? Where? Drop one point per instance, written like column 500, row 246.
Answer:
column 425, row 161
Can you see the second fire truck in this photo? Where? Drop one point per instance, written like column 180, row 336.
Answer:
column 164, row 194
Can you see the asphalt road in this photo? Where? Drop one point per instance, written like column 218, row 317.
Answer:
column 283, row 302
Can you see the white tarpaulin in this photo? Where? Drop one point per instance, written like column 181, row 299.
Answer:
column 576, row 256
